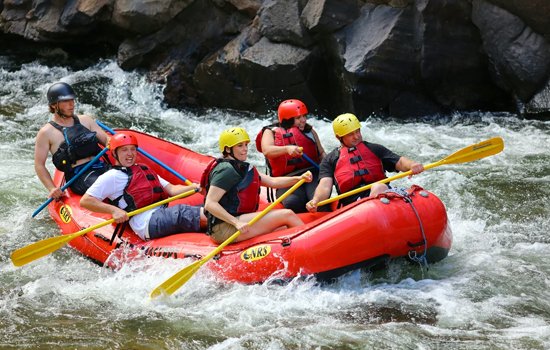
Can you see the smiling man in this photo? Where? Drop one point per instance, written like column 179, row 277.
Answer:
column 130, row 186
column 71, row 139
column 356, row 163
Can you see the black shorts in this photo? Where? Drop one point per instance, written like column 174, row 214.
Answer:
column 87, row 178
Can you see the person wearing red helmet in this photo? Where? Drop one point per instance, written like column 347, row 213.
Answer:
column 72, row 140
column 283, row 144
column 130, row 186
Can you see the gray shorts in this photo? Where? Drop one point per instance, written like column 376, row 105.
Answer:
column 176, row 219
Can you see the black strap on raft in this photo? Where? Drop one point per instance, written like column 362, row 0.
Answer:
column 407, row 198
column 120, row 230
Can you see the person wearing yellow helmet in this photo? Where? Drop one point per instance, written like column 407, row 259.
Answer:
column 356, row 163
column 232, row 192
column 284, row 143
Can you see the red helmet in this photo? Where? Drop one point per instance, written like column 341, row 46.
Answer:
column 290, row 109
column 121, row 139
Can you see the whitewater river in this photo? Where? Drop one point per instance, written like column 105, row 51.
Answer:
column 491, row 292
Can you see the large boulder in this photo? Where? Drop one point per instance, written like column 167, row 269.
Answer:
column 536, row 13
column 453, row 71
column 327, row 16
column 255, row 74
column 280, row 22
column 199, row 30
column 146, row 16
column 519, row 57
column 250, row 7
column 539, row 106
column 374, row 60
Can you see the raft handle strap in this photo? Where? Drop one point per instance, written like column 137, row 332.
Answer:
column 286, row 242
column 415, row 257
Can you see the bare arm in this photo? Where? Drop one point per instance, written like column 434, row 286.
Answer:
column 174, row 190
column 406, row 164
column 212, row 205
column 41, row 150
column 320, row 149
column 92, row 125
column 322, row 192
column 284, row 181
column 271, row 151
column 94, row 204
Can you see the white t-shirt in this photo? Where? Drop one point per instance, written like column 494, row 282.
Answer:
column 111, row 185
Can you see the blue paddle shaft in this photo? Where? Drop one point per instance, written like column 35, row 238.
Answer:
column 310, row 160
column 90, row 163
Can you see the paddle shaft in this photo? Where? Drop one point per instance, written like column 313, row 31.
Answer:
column 474, row 152
column 82, row 171
column 176, row 281
column 308, row 159
column 187, row 182
column 39, row 249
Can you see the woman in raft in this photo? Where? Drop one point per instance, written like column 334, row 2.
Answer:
column 284, row 144
column 233, row 192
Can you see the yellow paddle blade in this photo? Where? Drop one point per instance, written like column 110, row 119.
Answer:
column 32, row 252
column 37, row 250
column 176, row 281
column 474, row 152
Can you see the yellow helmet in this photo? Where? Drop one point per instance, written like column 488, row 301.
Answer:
column 233, row 136
column 344, row 124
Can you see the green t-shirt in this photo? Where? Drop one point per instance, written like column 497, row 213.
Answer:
column 224, row 176
column 227, row 178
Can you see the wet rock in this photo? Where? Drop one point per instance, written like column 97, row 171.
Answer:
column 280, row 22
column 327, row 16
column 519, row 57
column 376, row 56
column 201, row 29
column 82, row 13
column 536, row 13
column 453, row 71
column 236, row 76
column 539, row 106
column 145, row 17
column 250, row 7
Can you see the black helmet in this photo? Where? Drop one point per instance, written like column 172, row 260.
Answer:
column 60, row 92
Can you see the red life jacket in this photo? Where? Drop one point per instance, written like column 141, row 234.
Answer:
column 285, row 164
column 245, row 196
column 143, row 187
column 357, row 164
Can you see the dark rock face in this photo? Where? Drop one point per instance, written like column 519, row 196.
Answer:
column 236, row 76
column 539, row 106
column 519, row 57
column 280, row 22
column 535, row 13
column 327, row 16
column 403, row 58
column 452, row 69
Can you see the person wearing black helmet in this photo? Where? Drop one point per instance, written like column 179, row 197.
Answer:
column 72, row 140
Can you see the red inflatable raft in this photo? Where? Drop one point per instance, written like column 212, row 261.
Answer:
column 362, row 235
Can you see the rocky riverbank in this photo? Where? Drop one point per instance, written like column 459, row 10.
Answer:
column 403, row 58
